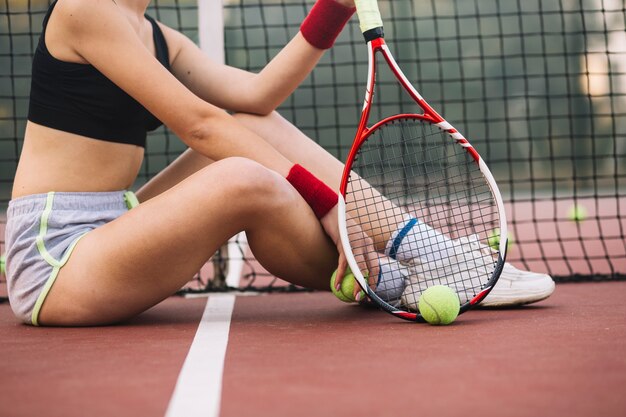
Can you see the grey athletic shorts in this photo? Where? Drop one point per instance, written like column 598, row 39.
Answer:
column 42, row 230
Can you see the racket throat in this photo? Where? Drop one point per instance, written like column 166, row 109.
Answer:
column 373, row 34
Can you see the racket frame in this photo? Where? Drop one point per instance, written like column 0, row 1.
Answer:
column 378, row 45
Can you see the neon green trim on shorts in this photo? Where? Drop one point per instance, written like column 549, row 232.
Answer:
column 43, row 229
column 51, row 279
column 34, row 317
column 131, row 200
column 56, row 264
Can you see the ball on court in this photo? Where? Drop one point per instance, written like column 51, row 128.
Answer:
column 439, row 304
column 577, row 213
column 347, row 287
column 3, row 262
column 493, row 240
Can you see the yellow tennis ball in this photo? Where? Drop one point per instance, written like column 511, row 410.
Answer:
column 493, row 239
column 439, row 304
column 577, row 213
column 347, row 287
column 3, row 263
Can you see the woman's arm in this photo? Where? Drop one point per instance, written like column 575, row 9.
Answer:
column 238, row 90
column 101, row 34
column 243, row 91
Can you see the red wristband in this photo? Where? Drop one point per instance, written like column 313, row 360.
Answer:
column 318, row 195
column 324, row 23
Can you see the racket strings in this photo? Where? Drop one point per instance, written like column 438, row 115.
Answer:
column 420, row 169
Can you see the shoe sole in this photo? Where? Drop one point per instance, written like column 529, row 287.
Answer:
column 500, row 304
column 515, row 300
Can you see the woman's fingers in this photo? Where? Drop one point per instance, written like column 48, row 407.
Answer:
column 341, row 269
column 363, row 251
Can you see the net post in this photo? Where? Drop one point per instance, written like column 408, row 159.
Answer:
column 211, row 28
column 228, row 261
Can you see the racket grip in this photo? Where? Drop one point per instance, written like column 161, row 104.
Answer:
column 325, row 22
column 319, row 196
column 369, row 15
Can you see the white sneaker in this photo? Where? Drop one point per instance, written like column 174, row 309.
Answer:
column 464, row 272
column 516, row 288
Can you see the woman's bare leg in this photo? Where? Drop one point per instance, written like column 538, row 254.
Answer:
column 298, row 148
column 137, row 260
column 187, row 164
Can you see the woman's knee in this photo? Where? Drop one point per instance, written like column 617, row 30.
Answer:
column 248, row 182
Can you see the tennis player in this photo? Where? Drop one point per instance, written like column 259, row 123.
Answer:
column 81, row 250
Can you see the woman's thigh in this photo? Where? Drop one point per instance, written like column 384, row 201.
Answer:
column 299, row 148
column 142, row 257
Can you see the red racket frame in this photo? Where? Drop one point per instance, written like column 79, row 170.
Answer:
column 379, row 45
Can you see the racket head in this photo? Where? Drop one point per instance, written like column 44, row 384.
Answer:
column 430, row 175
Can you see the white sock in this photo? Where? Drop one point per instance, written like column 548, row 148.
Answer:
column 391, row 281
column 415, row 239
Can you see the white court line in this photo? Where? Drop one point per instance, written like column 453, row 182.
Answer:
column 198, row 390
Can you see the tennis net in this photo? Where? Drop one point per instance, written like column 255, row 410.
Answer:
column 539, row 88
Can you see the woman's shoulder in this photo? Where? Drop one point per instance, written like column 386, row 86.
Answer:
column 83, row 15
column 176, row 41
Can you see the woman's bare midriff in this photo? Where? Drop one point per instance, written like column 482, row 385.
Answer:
column 54, row 160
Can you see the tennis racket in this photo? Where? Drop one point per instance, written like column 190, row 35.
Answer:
column 410, row 169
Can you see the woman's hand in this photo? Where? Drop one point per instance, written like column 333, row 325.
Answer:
column 362, row 248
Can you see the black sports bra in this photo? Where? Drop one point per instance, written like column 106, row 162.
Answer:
column 77, row 98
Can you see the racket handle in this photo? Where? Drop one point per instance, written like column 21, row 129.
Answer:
column 369, row 15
